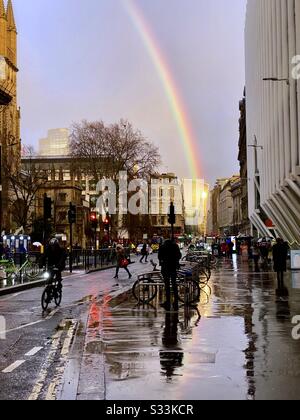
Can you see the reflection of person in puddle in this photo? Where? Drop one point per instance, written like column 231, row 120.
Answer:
column 282, row 303
column 171, row 357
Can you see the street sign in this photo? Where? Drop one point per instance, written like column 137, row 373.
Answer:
column 295, row 260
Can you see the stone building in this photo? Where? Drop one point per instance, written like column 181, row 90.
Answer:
column 166, row 188
column 10, row 142
column 272, row 45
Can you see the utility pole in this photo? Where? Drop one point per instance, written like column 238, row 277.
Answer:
column 47, row 216
column 172, row 219
column 72, row 220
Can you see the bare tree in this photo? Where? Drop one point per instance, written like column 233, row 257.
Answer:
column 23, row 186
column 89, row 148
column 104, row 151
column 130, row 151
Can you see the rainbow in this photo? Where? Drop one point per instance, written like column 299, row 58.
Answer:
column 187, row 136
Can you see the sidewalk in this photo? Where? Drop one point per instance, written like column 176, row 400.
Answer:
column 6, row 290
column 236, row 344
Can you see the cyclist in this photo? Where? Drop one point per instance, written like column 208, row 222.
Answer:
column 55, row 258
column 169, row 257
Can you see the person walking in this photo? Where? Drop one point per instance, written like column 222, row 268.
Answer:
column 122, row 261
column 256, row 256
column 280, row 254
column 144, row 253
column 169, row 257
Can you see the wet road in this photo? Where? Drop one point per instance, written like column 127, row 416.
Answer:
column 236, row 344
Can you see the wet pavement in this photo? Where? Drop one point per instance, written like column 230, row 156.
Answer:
column 235, row 344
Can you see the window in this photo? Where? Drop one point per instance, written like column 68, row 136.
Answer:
column 62, row 197
column 62, row 217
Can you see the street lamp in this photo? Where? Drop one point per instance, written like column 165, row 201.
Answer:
column 256, row 146
column 276, row 79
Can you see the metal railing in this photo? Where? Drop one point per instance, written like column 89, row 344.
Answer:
column 86, row 259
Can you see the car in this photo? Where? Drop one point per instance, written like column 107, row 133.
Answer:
column 155, row 247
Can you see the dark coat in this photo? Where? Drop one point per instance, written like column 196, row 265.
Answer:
column 280, row 254
column 144, row 250
column 169, row 256
column 55, row 256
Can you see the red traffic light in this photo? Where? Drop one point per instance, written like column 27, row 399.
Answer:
column 94, row 218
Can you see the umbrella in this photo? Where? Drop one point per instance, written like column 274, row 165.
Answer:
column 265, row 240
column 38, row 244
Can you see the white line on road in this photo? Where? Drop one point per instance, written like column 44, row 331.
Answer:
column 31, row 323
column 14, row 366
column 10, row 297
column 43, row 374
column 51, row 315
column 33, row 351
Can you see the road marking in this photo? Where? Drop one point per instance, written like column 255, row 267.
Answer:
column 31, row 323
column 14, row 366
column 24, row 326
column 50, row 358
column 52, row 313
column 52, row 390
column 34, row 351
column 10, row 297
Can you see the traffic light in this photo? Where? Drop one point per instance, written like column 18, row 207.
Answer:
column 72, row 214
column 172, row 215
column 47, row 207
column 107, row 222
column 94, row 220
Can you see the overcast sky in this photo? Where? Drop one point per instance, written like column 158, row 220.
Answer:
column 84, row 59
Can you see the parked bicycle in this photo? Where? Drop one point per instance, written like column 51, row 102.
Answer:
column 53, row 289
column 147, row 286
column 12, row 273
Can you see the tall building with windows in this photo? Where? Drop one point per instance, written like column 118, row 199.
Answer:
column 10, row 142
column 55, row 144
column 273, row 113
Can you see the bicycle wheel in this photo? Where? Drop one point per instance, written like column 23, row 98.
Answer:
column 203, row 277
column 57, row 296
column 32, row 271
column 144, row 291
column 46, row 298
column 188, row 291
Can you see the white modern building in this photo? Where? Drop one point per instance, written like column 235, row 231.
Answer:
column 55, row 144
column 273, row 116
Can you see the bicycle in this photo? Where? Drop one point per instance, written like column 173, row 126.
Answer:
column 53, row 289
column 13, row 273
column 147, row 286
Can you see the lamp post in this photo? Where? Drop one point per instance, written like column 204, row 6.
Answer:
column 276, row 79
